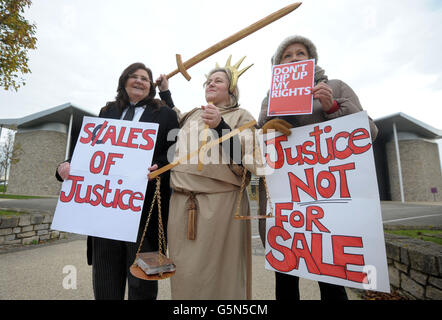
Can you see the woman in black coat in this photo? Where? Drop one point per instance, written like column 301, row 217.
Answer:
column 111, row 259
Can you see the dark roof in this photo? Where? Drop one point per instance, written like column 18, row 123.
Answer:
column 405, row 123
column 58, row 114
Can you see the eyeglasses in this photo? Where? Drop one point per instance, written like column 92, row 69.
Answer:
column 137, row 77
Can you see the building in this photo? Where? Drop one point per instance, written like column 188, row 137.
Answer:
column 407, row 159
column 44, row 138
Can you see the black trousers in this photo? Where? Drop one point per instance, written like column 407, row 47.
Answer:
column 111, row 260
column 287, row 288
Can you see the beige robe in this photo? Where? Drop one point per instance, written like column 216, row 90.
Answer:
column 214, row 265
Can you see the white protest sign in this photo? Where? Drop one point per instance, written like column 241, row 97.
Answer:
column 327, row 223
column 104, row 194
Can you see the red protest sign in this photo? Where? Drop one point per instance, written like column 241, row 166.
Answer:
column 291, row 88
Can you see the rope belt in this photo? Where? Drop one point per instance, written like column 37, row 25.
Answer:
column 192, row 210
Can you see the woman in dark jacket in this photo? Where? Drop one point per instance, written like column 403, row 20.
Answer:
column 111, row 259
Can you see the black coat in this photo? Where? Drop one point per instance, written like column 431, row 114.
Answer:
column 167, row 120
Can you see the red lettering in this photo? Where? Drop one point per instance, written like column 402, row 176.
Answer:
column 345, row 193
column 120, row 138
column 344, row 153
column 110, row 134
column 325, row 268
column 308, row 152
column 135, row 196
column 106, row 191
column 149, row 141
column 280, row 153
column 97, row 201
column 308, row 188
column 86, row 198
column 279, row 218
column 292, row 161
column 87, row 128
column 317, row 134
column 68, row 198
column 133, row 134
column 328, row 191
column 344, row 259
column 92, row 167
column 330, row 148
column 296, row 223
column 104, row 125
column 355, row 136
column 110, row 161
column 313, row 218
column 101, row 193
column 120, row 199
column 303, row 253
column 288, row 263
column 117, row 195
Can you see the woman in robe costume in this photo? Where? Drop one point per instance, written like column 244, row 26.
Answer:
column 212, row 250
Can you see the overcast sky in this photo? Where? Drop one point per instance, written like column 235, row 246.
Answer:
column 389, row 52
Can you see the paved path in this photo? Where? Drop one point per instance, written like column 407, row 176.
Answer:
column 44, row 204
column 412, row 214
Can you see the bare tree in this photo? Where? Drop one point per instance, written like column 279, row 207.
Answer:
column 9, row 154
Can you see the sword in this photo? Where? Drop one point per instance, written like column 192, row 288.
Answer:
column 183, row 66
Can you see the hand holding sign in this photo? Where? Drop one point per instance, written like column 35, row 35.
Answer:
column 324, row 93
column 63, row 170
column 278, row 125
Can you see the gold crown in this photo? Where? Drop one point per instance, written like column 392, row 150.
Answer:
column 234, row 71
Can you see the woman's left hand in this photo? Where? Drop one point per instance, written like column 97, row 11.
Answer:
column 211, row 115
column 324, row 93
column 162, row 83
column 151, row 169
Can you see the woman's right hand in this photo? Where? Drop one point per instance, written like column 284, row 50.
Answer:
column 278, row 125
column 162, row 83
column 151, row 170
column 64, row 170
column 211, row 115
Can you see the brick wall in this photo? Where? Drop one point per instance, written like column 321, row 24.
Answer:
column 421, row 170
column 30, row 228
column 414, row 267
column 34, row 173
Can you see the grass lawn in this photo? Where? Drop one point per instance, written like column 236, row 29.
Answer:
column 9, row 213
column 423, row 234
column 13, row 196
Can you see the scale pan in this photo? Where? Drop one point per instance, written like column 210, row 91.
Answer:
column 140, row 274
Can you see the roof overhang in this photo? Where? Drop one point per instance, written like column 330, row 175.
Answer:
column 58, row 114
column 405, row 123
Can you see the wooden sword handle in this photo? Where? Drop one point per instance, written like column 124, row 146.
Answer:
column 205, row 135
